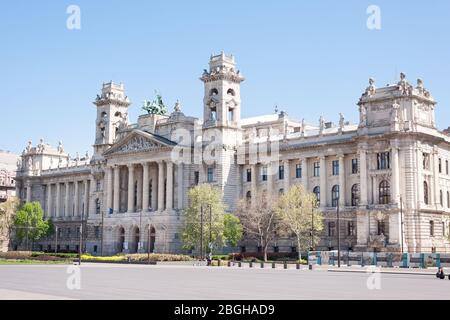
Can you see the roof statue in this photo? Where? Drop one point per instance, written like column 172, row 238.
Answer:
column 156, row 106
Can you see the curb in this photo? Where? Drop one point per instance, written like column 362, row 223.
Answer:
column 386, row 272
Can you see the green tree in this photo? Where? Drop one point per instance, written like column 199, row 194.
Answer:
column 207, row 199
column 29, row 223
column 232, row 229
column 298, row 212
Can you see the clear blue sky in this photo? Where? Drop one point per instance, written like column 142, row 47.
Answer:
column 309, row 57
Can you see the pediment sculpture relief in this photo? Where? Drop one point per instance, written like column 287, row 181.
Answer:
column 136, row 144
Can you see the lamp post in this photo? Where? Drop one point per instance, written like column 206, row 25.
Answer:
column 201, row 232
column 148, row 244
column 401, row 222
column 338, row 232
column 56, row 239
column 312, row 227
column 80, row 244
column 210, row 229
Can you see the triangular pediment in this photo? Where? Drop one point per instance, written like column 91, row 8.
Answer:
column 139, row 141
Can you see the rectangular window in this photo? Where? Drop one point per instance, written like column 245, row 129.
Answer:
column 331, row 229
column 95, row 249
column 440, row 165
column 381, row 227
column 196, row 177
column 351, row 228
column 98, row 185
column 383, row 161
column 426, row 161
column 264, row 173
column 431, row 228
column 298, row 171
column 249, row 175
column 355, row 166
column 210, row 174
column 446, row 166
column 281, row 172
column 316, row 169
column 335, row 167
column 97, row 232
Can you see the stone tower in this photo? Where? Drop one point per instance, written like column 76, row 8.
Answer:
column 112, row 114
column 221, row 125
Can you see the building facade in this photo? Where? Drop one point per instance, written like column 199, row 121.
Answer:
column 389, row 173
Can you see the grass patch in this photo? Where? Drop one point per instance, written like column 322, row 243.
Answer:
column 29, row 261
column 138, row 257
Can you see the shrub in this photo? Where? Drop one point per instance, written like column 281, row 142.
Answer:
column 16, row 254
column 220, row 257
column 138, row 257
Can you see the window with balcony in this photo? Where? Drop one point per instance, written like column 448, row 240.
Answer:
column 383, row 161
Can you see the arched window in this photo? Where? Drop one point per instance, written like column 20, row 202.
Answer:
column 384, row 192
column 448, row 199
column 281, row 191
column 248, row 197
column 118, row 114
column 316, row 191
column 425, row 192
column 441, row 198
column 213, row 92
column 97, row 206
column 231, row 92
column 335, row 196
column 355, row 195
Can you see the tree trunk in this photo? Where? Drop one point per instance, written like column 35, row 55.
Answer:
column 265, row 253
column 299, row 251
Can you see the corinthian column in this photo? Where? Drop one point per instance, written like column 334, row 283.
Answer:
column 86, row 199
column 66, row 200
column 131, row 188
column 253, row 185
column 49, row 200
column 169, row 185
column 395, row 176
column 342, row 188
column 180, row 185
column 76, row 204
column 109, row 189
column 116, row 207
column 323, row 182
column 363, row 177
column 305, row 173
column 160, row 186
column 58, row 200
column 287, row 175
column 145, row 186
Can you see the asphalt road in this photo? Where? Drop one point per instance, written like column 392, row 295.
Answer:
column 99, row 281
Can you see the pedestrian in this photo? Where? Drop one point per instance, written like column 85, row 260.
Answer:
column 440, row 274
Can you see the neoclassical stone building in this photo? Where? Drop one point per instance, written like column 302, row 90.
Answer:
column 389, row 173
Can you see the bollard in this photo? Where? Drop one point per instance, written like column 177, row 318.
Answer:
column 229, row 263
column 250, row 264
column 297, row 265
column 273, row 265
column 285, row 265
column 239, row 264
column 218, row 262
column 262, row 264
column 310, row 267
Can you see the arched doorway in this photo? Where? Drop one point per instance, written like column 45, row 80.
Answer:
column 152, row 239
column 136, row 240
column 121, row 239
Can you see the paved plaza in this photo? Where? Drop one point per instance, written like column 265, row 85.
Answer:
column 99, row 281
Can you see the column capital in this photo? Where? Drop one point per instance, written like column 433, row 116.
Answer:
column 130, row 166
column 340, row 155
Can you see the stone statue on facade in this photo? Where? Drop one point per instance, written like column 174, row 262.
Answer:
column 19, row 164
column 302, row 128
column 394, row 112
column 403, row 85
column 362, row 116
column 30, row 163
column 341, row 121
column 41, row 146
column 177, row 107
column 77, row 159
column 321, row 124
column 68, row 161
column 371, row 89
column 29, row 146
column 60, row 147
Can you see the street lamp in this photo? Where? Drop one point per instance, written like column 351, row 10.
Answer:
column 401, row 221
column 201, row 232
column 312, row 226
column 338, row 231
column 56, row 239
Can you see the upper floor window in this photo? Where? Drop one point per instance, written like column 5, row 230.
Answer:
column 331, row 229
column 298, row 171
column 355, row 166
column 441, row 197
column 381, row 226
column 316, row 169
column 98, row 185
column 431, row 228
column 210, row 176
column 249, row 175
column 264, row 173
column 335, row 196
column 281, row 172
column 446, row 166
column 316, row 191
column 335, row 167
column 425, row 192
column 97, row 206
column 196, row 177
column 440, row 165
column 383, row 160
column 351, row 228
column 426, row 161
column 384, row 192
column 355, row 195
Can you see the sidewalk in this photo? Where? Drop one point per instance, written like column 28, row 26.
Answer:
column 386, row 270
